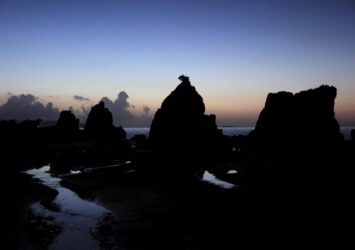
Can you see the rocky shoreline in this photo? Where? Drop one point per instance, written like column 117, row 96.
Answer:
column 293, row 175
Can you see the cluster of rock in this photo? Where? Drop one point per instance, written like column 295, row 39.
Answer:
column 181, row 130
column 99, row 124
column 304, row 117
column 99, row 127
column 6, row 125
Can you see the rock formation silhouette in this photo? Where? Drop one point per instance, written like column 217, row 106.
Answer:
column 100, row 124
column 99, row 119
column 304, row 117
column 352, row 134
column 180, row 125
column 67, row 121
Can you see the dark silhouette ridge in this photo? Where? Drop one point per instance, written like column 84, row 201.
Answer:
column 7, row 124
column 353, row 134
column 13, row 132
column 67, row 121
column 65, row 142
column 305, row 117
column 180, row 126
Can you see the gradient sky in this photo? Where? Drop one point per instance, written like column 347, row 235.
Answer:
column 235, row 52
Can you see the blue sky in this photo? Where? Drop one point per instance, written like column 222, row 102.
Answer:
column 235, row 52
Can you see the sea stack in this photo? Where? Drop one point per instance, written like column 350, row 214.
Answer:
column 100, row 124
column 304, row 117
column 180, row 126
column 67, row 121
column 99, row 119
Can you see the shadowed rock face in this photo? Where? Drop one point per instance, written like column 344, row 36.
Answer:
column 99, row 125
column 99, row 119
column 67, row 121
column 307, row 116
column 276, row 117
column 180, row 124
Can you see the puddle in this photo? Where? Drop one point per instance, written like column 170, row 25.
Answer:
column 78, row 217
column 208, row 177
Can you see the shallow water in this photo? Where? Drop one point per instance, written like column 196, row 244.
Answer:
column 78, row 217
column 208, row 177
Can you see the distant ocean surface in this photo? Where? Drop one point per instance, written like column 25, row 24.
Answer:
column 229, row 131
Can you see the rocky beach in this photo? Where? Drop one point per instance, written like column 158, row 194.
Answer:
column 289, row 182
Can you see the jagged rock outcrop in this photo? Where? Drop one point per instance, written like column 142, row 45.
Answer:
column 100, row 124
column 180, row 125
column 307, row 116
column 99, row 119
column 67, row 121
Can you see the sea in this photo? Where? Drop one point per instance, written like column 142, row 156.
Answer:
column 229, row 131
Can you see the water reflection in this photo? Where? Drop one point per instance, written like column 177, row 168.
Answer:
column 75, row 171
column 77, row 216
column 208, row 177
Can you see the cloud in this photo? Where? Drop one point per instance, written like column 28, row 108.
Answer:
column 122, row 114
column 21, row 107
column 146, row 110
column 81, row 98
column 80, row 113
